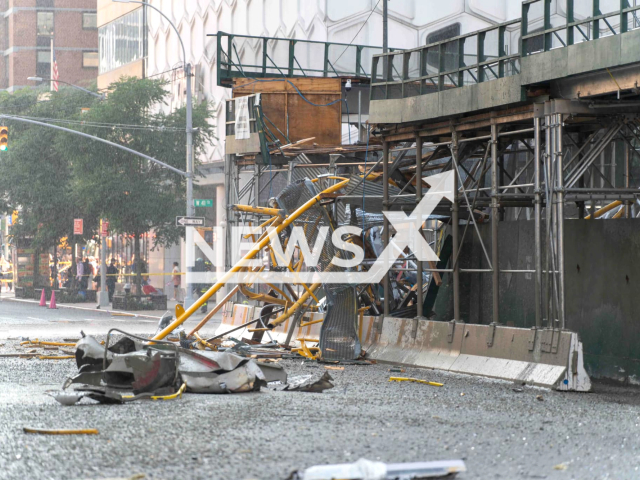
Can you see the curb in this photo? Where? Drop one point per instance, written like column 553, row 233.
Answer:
column 112, row 312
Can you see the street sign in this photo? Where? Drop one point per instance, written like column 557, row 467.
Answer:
column 77, row 226
column 189, row 221
column 104, row 228
column 202, row 203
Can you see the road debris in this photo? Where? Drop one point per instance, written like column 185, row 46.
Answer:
column 415, row 380
column 44, row 431
column 318, row 386
column 561, row 466
column 368, row 470
column 540, row 398
column 329, row 367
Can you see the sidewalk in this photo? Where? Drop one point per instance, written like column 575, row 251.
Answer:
column 93, row 307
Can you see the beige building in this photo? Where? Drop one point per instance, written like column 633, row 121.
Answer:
column 122, row 41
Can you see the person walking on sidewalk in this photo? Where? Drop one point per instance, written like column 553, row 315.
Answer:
column 177, row 280
column 79, row 272
column 112, row 271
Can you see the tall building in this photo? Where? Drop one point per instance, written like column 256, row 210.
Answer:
column 122, row 37
column 30, row 27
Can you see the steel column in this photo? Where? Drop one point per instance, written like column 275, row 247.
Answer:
column 627, row 208
column 538, row 223
column 419, row 286
column 455, row 225
column 385, row 232
column 495, row 277
column 559, row 129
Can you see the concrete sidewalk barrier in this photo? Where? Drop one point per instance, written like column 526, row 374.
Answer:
column 545, row 357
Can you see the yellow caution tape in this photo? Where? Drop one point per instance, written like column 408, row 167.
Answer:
column 415, row 380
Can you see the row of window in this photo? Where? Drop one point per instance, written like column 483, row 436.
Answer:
column 44, row 22
column 43, row 62
column 121, row 41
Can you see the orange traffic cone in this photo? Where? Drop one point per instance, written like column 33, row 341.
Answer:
column 53, row 300
column 43, row 299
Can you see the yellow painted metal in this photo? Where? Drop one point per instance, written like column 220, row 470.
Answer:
column 45, row 431
column 264, row 210
column 260, row 227
column 311, row 323
column 56, row 357
column 36, row 342
column 604, row 210
column 179, row 310
column 173, row 396
column 204, row 343
column 415, row 380
column 243, row 262
column 262, row 297
column 215, row 309
column 303, row 298
column 620, row 212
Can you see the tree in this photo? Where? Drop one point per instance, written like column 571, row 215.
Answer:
column 35, row 177
column 136, row 195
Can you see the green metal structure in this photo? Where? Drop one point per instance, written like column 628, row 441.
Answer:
column 245, row 56
column 497, row 52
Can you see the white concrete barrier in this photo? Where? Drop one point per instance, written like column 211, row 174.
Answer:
column 546, row 358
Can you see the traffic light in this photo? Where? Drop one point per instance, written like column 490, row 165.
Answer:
column 4, row 139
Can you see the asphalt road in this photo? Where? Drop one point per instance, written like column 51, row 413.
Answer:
column 27, row 319
column 500, row 433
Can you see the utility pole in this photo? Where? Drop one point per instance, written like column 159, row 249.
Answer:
column 188, row 301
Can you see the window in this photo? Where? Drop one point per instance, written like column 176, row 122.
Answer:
column 89, row 21
column 121, row 41
column 90, row 59
column 444, row 33
column 43, row 64
column 45, row 23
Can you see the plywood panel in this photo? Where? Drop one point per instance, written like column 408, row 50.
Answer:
column 280, row 100
column 245, row 86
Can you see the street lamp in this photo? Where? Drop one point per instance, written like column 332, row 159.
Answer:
column 40, row 79
column 188, row 301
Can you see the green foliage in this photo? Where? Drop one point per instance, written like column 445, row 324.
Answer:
column 34, row 176
column 134, row 194
column 53, row 176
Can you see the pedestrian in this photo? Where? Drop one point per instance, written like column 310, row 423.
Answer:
column 88, row 274
column 177, row 280
column 112, row 272
column 79, row 272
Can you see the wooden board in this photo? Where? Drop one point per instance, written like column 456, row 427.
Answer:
column 280, row 101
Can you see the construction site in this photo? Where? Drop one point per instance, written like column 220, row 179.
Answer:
column 459, row 217
column 536, row 248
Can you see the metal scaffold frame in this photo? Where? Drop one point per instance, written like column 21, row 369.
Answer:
column 558, row 143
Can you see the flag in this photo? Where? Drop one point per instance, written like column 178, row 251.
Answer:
column 54, row 71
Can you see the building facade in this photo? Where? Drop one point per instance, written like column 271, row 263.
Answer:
column 138, row 41
column 31, row 27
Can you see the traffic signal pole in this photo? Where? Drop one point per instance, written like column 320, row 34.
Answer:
column 188, row 301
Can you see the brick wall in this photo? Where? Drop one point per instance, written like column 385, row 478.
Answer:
column 70, row 39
